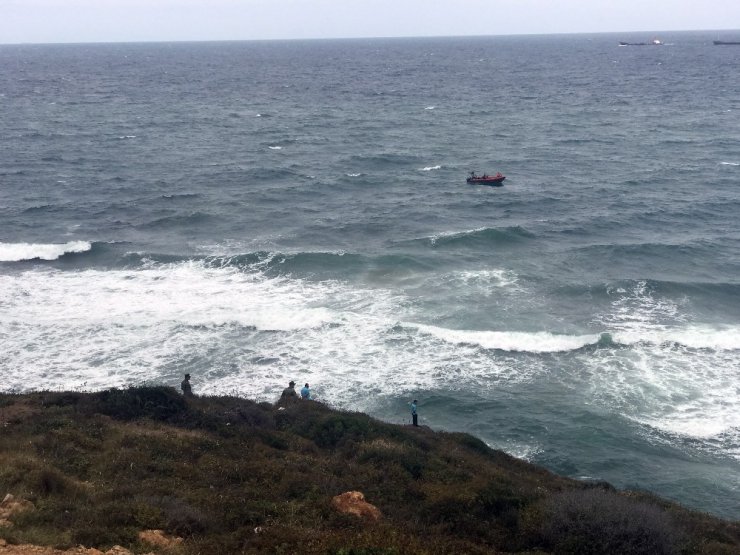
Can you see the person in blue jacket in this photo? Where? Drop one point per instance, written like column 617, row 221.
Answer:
column 413, row 412
column 306, row 392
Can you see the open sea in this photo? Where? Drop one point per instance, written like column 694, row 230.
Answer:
column 256, row 212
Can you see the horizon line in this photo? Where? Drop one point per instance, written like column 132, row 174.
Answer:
column 388, row 37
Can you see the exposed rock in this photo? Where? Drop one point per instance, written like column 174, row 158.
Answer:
column 11, row 505
column 353, row 503
column 158, row 538
column 118, row 550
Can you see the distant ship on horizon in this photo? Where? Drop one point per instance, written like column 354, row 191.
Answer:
column 724, row 42
column 654, row 42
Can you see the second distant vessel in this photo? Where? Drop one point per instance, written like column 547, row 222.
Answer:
column 724, row 43
column 654, row 42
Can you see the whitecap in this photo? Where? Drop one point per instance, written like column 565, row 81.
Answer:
column 487, row 278
column 519, row 450
column 430, row 107
column 692, row 337
column 275, row 147
column 353, row 174
column 15, row 252
column 430, row 168
column 691, row 422
column 729, row 164
column 453, row 234
column 530, row 342
column 638, row 316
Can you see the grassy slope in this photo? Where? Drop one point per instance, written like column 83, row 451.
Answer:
column 102, row 466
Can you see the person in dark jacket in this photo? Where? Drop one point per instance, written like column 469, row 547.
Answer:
column 289, row 393
column 413, row 412
column 185, row 386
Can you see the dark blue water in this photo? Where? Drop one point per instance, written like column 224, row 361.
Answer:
column 258, row 212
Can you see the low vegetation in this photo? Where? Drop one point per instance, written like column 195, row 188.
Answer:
column 232, row 476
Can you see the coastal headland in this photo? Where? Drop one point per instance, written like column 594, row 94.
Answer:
column 144, row 470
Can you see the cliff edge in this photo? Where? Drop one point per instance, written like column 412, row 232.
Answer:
column 227, row 475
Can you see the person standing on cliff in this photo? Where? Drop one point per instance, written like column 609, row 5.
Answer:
column 306, row 393
column 289, row 393
column 187, row 391
column 413, row 412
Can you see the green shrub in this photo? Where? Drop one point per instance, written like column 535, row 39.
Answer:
column 61, row 399
column 157, row 403
column 473, row 443
column 181, row 518
column 383, row 454
column 338, row 428
column 502, row 501
column 274, row 440
column 363, row 551
column 596, row 521
column 97, row 535
column 49, row 481
column 254, row 415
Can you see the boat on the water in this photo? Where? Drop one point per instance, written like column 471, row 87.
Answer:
column 654, row 42
column 725, row 43
column 486, row 179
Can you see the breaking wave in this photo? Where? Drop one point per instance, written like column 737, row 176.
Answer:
column 537, row 342
column 17, row 252
column 694, row 337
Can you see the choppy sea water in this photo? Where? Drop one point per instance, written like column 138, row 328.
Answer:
column 257, row 212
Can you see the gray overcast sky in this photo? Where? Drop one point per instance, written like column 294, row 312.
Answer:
column 24, row 21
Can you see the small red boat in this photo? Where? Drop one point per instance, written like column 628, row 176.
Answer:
column 486, row 179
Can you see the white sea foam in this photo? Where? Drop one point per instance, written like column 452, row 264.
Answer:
column 484, row 282
column 537, row 342
column 430, row 107
column 430, row 168
column 487, row 278
column 15, row 252
column 518, row 450
column 353, row 174
column 239, row 332
column 729, row 163
column 637, row 316
column 692, row 336
column 678, row 377
column 275, row 147
column 675, row 391
column 691, row 421
column 62, row 326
